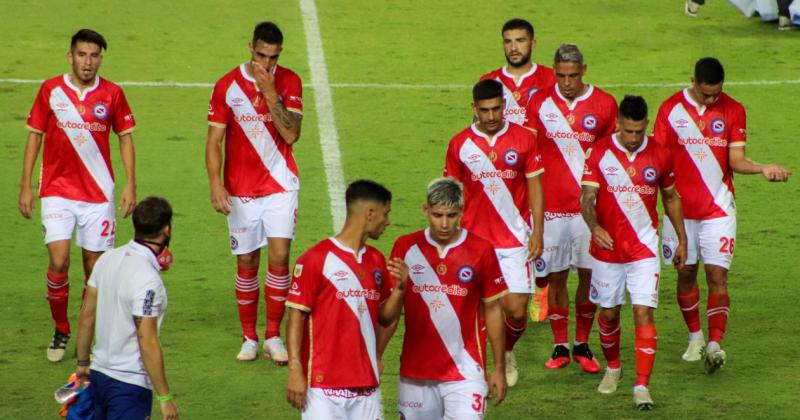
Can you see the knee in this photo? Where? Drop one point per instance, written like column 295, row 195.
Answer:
column 248, row 260
column 516, row 314
column 59, row 264
column 609, row 316
column 717, row 279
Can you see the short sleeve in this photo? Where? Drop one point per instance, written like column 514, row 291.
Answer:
column 493, row 286
column 611, row 118
column 533, row 160
column 302, row 292
column 667, row 179
column 662, row 132
column 293, row 95
column 452, row 165
column 738, row 133
column 122, row 117
column 532, row 122
column 591, row 169
column 217, row 107
column 148, row 300
column 40, row 112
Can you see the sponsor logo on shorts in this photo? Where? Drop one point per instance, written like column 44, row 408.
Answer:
column 718, row 126
column 234, row 243
column 552, row 215
column 100, row 111
column 593, row 292
column 465, row 274
column 540, row 265
column 410, row 404
column 511, row 157
column 377, row 276
column 347, row 392
column 649, row 174
column 666, row 251
column 589, row 122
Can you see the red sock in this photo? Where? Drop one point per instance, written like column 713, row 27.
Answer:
column 609, row 341
column 247, row 299
column 584, row 318
column 645, row 343
column 58, row 298
column 717, row 313
column 559, row 323
column 514, row 331
column 690, row 307
column 275, row 291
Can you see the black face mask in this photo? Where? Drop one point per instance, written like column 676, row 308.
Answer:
column 164, row 256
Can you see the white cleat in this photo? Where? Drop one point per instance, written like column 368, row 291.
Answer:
column 58, row 347
column 610, row 380
column 275, row 350
column 249, row 351
column 715, row 357
column 691, row 8
column 694, row 352
column 512, row 370
column 641, row 398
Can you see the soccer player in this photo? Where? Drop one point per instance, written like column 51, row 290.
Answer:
column 443, row 363
column 257, row 109
column 340, row 290
column 566, row 119
column 499, row 166
column 521, row 77
column 706, row 131
column 621, row 180
column 74, row 113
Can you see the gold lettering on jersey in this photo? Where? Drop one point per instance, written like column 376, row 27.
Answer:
column 492, row 156
column 631, row 171
column 441, row 268
column 701, row 125
column 81, row 109
column 570, row 119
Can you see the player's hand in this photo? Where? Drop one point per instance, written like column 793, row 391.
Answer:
column 497, row 385
column 82, row 373
column 265, row 81
column 26, row 201
column 296, row 386
column 399, row 270
column 601, row 237
column 128, row 200
column 169, row 411
column 679, row 258
column 775, row 173
column 220, row 199
column 535, row 246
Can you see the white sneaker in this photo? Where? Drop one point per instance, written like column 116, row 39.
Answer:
column 512, row 370
column 784, row 23
column 58, row 346
column 249, row 351
column 715, row 357
column 610, row 380
column 275, row 350
column 641, row 398
column 694, row 352
column 691, row 8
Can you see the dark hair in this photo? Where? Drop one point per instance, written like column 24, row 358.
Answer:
column 88, row 35
column 708, row 71
column 366, row 190
column 150, row 216
column 518, row 23
column 487, row 89
column 633, row 108
column 267, row 32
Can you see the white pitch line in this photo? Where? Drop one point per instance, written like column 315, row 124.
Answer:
column 328, row 136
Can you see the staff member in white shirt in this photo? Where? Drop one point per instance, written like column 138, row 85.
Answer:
column 123, row 309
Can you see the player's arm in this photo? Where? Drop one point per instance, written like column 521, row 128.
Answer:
column 296, row 383
column 674, row 210
column 286, row 122
column 495, row 329
column 128, row 154
column 26, row 195
column 384, row 336
column 219, row 196
column 536, row 203
column 86, row 321
column 741, row 164
column 589, row 212
column 391, row 307
column 153, row 360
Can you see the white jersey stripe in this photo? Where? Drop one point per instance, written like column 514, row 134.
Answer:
column 445, row 319
column 260, row 138
column 703, row 158
column 570, row 148
column 637, row 214
column 357, row 304
column 513, row 109
column 82, row 141
column 501, row 199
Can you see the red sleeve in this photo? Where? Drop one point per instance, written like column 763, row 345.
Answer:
column 533, row 160
column 662, row 132
column 452, row 165
column 738, row 133
column 667, row 179
column 293, row 94
column 611, row 117
column 218, row 108
column 302, row 293
column 591, row 169
column 493, row 286
column 531, row 115
column 40, row 113
column 123, row 122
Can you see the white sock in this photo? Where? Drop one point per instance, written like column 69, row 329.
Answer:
column 696, row 336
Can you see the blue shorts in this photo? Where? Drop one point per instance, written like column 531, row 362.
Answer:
column 115, row 399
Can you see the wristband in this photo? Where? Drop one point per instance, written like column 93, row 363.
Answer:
column 83, row 363
column 163, row 398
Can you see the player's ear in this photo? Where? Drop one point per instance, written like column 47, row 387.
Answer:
column 425, row 209
column 583, row 69
column 533, row 43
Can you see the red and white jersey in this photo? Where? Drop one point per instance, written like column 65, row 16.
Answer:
column 76, row 161
column 564, row 133
column 627, row 199
column 495, row 174
column 442, row 339
column 342, row 294
column 517, row 92
column 258, row 161
column 699, row 138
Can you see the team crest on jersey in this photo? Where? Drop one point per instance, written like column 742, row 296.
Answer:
column 540, row 265
column 298, row 271
column 100, row 111
column 701, row 125
column 234, row 243
column 377, row 276
column 718, row 126
column 631, row 171
column 511, row 157
column 516, row 95
column 570, row 119
column 441, row 269
column 649, row 174
column 81, row 109
column 492, row 156
column 589, row 122
column 666, row 251
column 465, row 274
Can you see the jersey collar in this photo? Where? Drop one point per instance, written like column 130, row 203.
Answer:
column 81, row 95
column 250, row 79
column 144, row 251
column 574, row 103
column 491, row 140
column 444, row 250
column 522, row 78
column 701, row 109
column 631, row 155
column 349, row 250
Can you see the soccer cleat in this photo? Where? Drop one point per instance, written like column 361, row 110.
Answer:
column 512, row 370
column 715, row 357
column 691, row 8
column 275, row 350
column 582, row 355
column 249, row 351
column 58, row 346
column 610, row 380
column 641, row 398
column 559, row 359
column 784, row 23
column 694, row 352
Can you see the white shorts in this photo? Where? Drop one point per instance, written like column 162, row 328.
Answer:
column 336, row 404
column 713, row 238
column 516, row 268
column 97, row 224
column 609, row 281
column 434, row 400
column 566, row 245
column 254, row 219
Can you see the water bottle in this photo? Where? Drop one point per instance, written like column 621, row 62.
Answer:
column 72, row 388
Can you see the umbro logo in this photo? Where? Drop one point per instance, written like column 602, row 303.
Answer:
column 682, row 123
column 418, row 269
column 340, row 275
column 551, row 117
column 473, row 158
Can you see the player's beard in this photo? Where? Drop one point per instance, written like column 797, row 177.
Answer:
column 523, row 62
